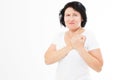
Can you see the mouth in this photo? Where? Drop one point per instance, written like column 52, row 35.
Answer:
column 71, row 23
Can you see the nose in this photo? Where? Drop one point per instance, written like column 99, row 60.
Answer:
column 71, row 18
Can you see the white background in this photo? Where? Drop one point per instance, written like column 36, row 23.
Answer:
column 28, row 26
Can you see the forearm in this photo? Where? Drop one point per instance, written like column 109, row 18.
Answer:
column 57, row 55
column 93, row 62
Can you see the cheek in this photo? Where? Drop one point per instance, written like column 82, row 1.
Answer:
column 66, row 20
column 79, row 20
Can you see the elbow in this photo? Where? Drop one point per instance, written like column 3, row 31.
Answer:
column 99, row 68
column 47, row 62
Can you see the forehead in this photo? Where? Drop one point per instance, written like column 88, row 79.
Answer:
column 70, row 10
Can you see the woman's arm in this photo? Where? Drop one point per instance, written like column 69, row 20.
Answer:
column 93, row 58
column 52, row 55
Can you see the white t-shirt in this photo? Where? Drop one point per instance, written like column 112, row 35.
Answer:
column 72, row 66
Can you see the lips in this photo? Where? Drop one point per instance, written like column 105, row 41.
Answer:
column 71, row 23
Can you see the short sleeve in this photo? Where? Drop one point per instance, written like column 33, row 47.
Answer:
column 56, row 38
column 91, row 42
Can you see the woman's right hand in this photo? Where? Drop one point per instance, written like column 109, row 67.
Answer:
column 68, row 42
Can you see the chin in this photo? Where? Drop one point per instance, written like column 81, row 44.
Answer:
column 74, row 28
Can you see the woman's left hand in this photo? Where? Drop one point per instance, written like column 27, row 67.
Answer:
column 78, row 41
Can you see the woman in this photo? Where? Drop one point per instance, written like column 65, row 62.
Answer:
column 75, row 49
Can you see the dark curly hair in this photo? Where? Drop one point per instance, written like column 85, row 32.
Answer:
column 79, row 7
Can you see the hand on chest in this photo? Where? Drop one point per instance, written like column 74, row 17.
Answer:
column 76, row 40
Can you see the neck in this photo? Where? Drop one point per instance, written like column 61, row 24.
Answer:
column 74, row 32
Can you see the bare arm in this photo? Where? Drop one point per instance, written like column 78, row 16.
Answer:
column 93, row 57
column 52, row 55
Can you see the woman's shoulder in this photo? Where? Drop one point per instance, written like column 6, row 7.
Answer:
column 59, row 34
column 58, row 37
column 88, row 32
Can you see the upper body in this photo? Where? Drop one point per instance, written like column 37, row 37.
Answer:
column 75, row 49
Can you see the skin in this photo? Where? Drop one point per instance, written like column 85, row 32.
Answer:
column 74, row 40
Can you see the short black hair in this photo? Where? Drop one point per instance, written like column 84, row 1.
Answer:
column 79, row 7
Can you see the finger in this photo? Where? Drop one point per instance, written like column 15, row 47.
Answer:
column 82, row 37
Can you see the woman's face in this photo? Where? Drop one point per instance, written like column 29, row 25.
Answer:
column 72, row 19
